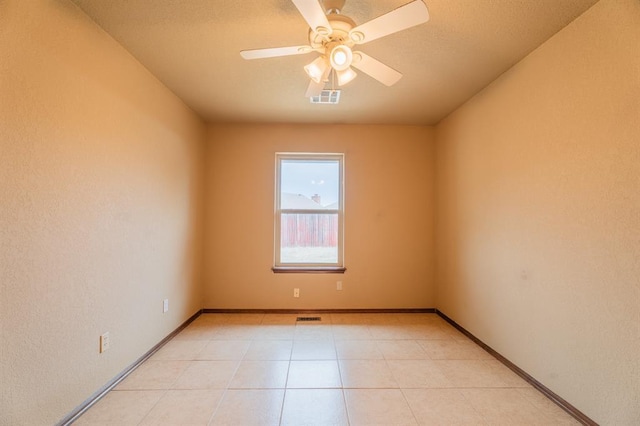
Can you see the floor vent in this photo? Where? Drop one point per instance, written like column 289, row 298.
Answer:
column 309, row 319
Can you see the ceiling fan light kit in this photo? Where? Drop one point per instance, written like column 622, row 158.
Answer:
column 341, row 57
column 345, row 76
column 317, row 69
column 334, row 35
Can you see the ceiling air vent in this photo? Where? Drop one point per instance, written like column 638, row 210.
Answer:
column 326, row 97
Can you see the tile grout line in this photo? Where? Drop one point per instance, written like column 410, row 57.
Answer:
column 166, row 391
column 286, row 382
column 342, row 389
column 153, row 406
column 224, row 391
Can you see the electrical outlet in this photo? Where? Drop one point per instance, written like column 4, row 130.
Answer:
column 165, row 305
column 105, row 342
column 338, row 285
column 296, row 292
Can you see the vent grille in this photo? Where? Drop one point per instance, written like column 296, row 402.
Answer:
column 309, row 319
column 330, row 97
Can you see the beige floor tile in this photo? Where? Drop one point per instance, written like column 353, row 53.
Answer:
column 505, row 407
column 470, row 373
column 180, row 350
column 437, row 319
column 418, row 374
column 235, row 318
column 453, row 332
column 243, row 363
column 389, row 332
column 441, row 407
column 428, row 331
column 453, row 349
column 349, row 319
column 184, row 408
column 207, row 375
column 198, row 331
column 363, row 319
column 314, row 374
column 203, row 319
column 417, row 318
column 314, row 407
column 224, row 350
column 121, row 408
column 506, row 375
column 260, row 375
column 313, row 332
column 378, row 407
column 351, row 332
column 269, row 350
column 557, row 415
column 236, row 332
column 313, row 349
column 279, row 319
column 358, row 349
column 154, row 375
column 277, row 332
column 249, row 407
column 401, row 349
column 366, row 374
column 380, row 319
column 212, row 318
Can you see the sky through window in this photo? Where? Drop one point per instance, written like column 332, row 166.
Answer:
column 309, row 178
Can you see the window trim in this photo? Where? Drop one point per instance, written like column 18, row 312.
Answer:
column 279, row 267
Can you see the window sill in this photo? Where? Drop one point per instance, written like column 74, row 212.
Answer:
column 308, row 269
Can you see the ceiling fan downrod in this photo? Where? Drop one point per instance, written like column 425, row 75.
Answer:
column 333, row 6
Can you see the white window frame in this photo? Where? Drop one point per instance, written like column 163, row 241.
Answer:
column 280, row 267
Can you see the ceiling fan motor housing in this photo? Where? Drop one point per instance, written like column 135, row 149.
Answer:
column 341, row 26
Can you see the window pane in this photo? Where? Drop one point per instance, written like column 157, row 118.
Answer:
column 309, row 184
column 309, row 238
column 309, row 210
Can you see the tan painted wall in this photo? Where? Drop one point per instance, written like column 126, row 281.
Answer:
column 538, row 213
column 388, row 217
column 100, row 182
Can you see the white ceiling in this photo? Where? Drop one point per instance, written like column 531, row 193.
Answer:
column 193, row 47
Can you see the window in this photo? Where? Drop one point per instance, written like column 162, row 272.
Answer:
column 309, row 210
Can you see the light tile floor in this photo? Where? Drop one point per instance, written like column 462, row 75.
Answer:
column 348, row 369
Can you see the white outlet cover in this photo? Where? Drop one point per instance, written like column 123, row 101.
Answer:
column 105, row 342
column 165, row 305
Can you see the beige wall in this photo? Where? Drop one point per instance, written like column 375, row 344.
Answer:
column 388, row 217
column 100, row 182
column 538, row 213
column 102, row 176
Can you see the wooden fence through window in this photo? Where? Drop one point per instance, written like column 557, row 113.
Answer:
column 309, row 230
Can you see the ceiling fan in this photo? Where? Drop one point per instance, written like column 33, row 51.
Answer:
column 334, row 35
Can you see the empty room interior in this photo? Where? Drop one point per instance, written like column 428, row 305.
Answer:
column 488, row 213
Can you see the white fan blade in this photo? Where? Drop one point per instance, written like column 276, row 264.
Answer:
column 407, row 16
column 314, row 89
column 315, row 16
column 376, row 69
column 275, row 51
